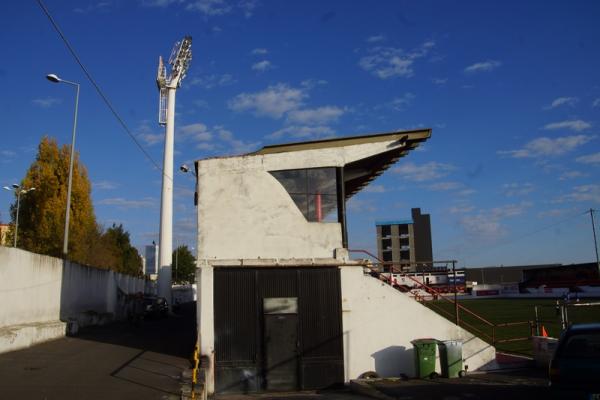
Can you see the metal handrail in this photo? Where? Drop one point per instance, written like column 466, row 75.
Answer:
column 457, row 306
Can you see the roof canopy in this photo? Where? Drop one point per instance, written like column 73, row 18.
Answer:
column 358, row 173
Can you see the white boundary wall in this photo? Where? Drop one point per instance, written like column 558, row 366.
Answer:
column 379, row 323
column 38, row 292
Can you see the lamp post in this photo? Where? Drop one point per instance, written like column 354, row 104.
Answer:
column 19, row 191
column 56, row 79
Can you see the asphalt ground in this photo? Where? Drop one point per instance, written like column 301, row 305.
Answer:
column 117, row 361
column 508, row 385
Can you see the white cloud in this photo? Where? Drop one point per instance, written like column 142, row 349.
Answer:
column 259, row 51
column 146, row 134
column 589, row 159
column 310, row 132
column 159, row 3
column 273, row 102
column 390, row 62
column 517, row 189
column 375, row 189
column 100, row 6
column 466, row 192
column 210, row 7
column 127, row 204
column 588, row 193
column 425, row 172
column 315, row 116
column 488, row 65
column 46, row 102
column 360, row 206
column 197, row 132
column 462, row 209
column 211, row 81
column 375, row 39
column 248, row 7
column 235, row 146
column 481, row 226
column 105, row 185
column 400, row 103
column 439, row 81
column 311, row 83
column 573, row 125
column 544, row 147
column 567, row 175
column 7, row 153
column 596, row 103
column 556, row 212
column 487, row 224
column 205, row 146
column 444, row 186
column 562, row 101
column 151, row 138
column 262, row 66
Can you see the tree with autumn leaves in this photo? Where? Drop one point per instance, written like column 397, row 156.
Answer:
column 42, row 215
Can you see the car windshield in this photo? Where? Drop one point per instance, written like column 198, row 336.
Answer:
column 584, row 345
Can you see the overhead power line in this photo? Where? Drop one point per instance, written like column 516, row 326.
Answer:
column 98, row 89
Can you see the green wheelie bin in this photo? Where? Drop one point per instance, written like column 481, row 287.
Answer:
column 451, row 358
column 425, row 350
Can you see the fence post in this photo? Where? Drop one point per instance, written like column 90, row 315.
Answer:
column 455, row 294
column 537, row 323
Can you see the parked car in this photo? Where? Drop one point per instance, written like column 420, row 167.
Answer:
column 155, row 307
column 576, row 362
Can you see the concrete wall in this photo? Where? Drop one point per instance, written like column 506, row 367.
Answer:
column 37, row 292
column 245, row 213
column 379, row 323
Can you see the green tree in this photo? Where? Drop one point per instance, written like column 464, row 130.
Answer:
column 127, row 260
column 184, row 266
column 42, row 215
column 42, row 212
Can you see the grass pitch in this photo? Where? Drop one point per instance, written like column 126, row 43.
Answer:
column 499, row 311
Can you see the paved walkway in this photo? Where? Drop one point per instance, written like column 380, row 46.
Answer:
column 119, row 361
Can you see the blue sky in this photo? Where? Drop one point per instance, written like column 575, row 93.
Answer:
column 510, row 89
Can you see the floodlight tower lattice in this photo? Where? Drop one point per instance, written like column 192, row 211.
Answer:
column 179, row 60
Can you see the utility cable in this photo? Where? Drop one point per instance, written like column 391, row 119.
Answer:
column 98, row 89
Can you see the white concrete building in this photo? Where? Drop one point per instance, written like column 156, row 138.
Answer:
column 281, row 306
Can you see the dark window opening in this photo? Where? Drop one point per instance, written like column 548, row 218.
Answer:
column 314, row 192
column 386, row 230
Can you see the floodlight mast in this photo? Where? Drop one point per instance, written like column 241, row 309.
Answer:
column 180, row 59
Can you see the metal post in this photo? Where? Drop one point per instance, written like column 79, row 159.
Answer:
column 17, row 219
column 537, row 323
column 455, row 294
column 595, row 244
column 165, row 252
column 176, row 260
column 67, row 212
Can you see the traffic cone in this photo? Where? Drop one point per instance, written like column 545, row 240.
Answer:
column 544, row 333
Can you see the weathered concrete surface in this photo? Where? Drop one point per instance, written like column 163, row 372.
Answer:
column 37, row 292
column 25, row 335
column 118, row 361
column 380, row 322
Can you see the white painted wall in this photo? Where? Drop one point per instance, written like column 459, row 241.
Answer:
column 245, row 213
column 37, row 290
column 379, row 323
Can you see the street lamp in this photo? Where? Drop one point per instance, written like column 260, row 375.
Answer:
column 56, row 79
column 19, row 191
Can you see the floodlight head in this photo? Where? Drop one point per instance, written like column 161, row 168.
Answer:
column 184, row 168
column 14, row 185
column 53, row 78
column 180, row 61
